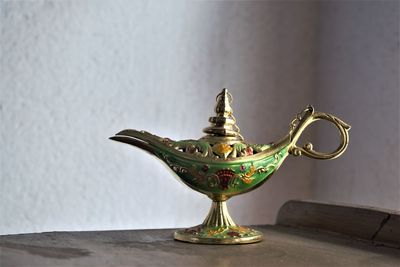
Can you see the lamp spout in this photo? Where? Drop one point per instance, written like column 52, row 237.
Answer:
column 140, row 139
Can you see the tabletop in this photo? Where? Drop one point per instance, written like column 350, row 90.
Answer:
column 284, row 244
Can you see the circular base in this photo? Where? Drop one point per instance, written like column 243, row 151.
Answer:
column 219, row 235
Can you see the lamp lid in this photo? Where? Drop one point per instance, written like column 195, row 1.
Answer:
column 223, row 127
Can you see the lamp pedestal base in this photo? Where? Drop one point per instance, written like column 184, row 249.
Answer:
column 219, row 228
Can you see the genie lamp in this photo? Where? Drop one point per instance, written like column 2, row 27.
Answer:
column 221, row 165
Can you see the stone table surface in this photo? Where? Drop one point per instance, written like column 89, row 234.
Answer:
column 282, row 246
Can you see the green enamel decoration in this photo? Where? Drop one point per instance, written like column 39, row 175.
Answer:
column 221, row 179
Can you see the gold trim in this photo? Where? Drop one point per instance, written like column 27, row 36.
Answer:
column 154, row 143
column 218, row 241
column 303, row 120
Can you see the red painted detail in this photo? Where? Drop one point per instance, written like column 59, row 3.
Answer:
column 225, row 177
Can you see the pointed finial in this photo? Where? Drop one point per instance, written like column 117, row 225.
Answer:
column 223, row 127
column 224, row 100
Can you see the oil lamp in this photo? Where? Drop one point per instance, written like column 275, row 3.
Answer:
column 222, row 164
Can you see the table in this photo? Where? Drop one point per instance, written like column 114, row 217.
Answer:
column 285, row 244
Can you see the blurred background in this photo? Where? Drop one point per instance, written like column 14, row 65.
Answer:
column 73, row 73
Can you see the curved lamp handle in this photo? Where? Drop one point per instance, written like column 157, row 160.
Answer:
column 303, row 120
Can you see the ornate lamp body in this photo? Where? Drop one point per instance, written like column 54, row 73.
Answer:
column 221, row 165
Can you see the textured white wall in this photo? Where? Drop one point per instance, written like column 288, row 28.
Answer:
column 75, row 72
column 358, row 79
